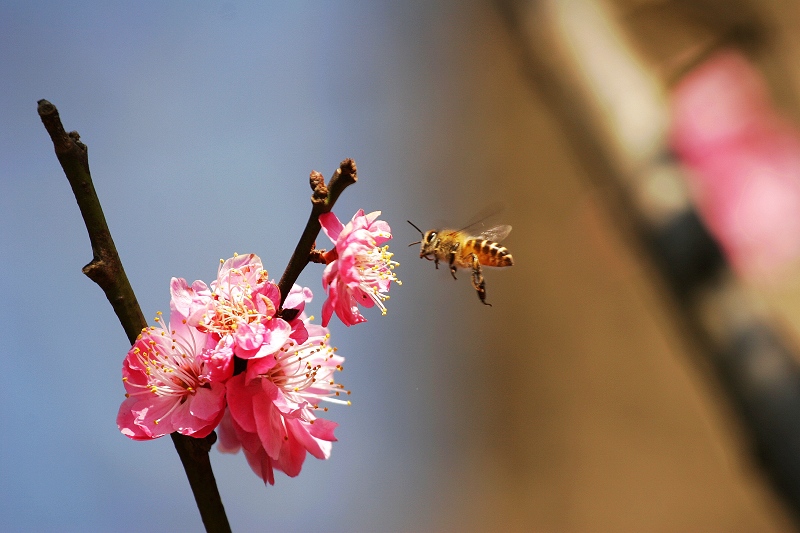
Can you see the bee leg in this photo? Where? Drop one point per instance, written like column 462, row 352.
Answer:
column 453, row 271
column 453, row 261
column 477, row 280
column 436, row 262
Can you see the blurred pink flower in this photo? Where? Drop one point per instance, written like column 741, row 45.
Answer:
column 242, row 303
column 167, row 384
column 744, row 163
column 361, row 271
column 271, row 407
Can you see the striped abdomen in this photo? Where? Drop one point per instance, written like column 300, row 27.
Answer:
column 489, row 253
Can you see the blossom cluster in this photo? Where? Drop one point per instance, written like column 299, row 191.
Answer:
column 232, row 358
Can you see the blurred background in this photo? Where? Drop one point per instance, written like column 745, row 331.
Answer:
column 638, row 370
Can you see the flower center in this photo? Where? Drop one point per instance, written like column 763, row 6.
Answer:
column 240, row 306
column 168, row 360
column 376, row 269
column 305, row 372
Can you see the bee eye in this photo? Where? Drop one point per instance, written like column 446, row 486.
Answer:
column 431, row 235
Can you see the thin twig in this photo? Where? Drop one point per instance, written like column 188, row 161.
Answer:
column 106, row 270
column 321, row 202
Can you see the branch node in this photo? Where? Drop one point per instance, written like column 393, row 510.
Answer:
column 93, row 269
column 316, row 179
column 317, row 256
column 348, row 171
column 322, row 202
column 76, row 138
column 318, row 186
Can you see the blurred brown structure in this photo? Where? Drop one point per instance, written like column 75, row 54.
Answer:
column 603, row 407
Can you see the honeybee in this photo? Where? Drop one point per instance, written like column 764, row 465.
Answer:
column 463, row 250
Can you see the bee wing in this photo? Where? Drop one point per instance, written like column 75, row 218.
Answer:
column 497, row 233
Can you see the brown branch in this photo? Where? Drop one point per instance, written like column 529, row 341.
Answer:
column 194, row 457
column 106, row 270
column 318, row 256
column 321, row 202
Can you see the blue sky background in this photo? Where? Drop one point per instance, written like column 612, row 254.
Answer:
column 203, row 121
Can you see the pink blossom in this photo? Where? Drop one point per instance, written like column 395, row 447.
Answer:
column 271, row 407
column 744, row 162
column 361, row 271
column 241, row 304
column 167, row 383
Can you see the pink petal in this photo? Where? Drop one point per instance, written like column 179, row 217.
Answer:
column 297, row 298
column 267, row 298
column 258, row 367
column 246, row 264
column 261, row 464
column 327, row 310
column 270, row 428
column 237, row 272
column 228, row 440
column 240, row 402
column 151, row 408
column 250, row 441
column 301, row 432
column 219, row 360
column 126, row 422
column 190, row 302
column 299, row 332
column 323, row 429
column 208, row 403
column 179, row 327
column 331, row 225
column 133, row 373
column 261, row 340
column 185, row 423
column 292, row 456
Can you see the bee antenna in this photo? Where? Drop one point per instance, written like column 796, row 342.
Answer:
column 416, row 228
column 419, row 230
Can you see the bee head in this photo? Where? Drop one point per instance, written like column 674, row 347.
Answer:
column 430, row 237
column 427, row 242
column 430, row 241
